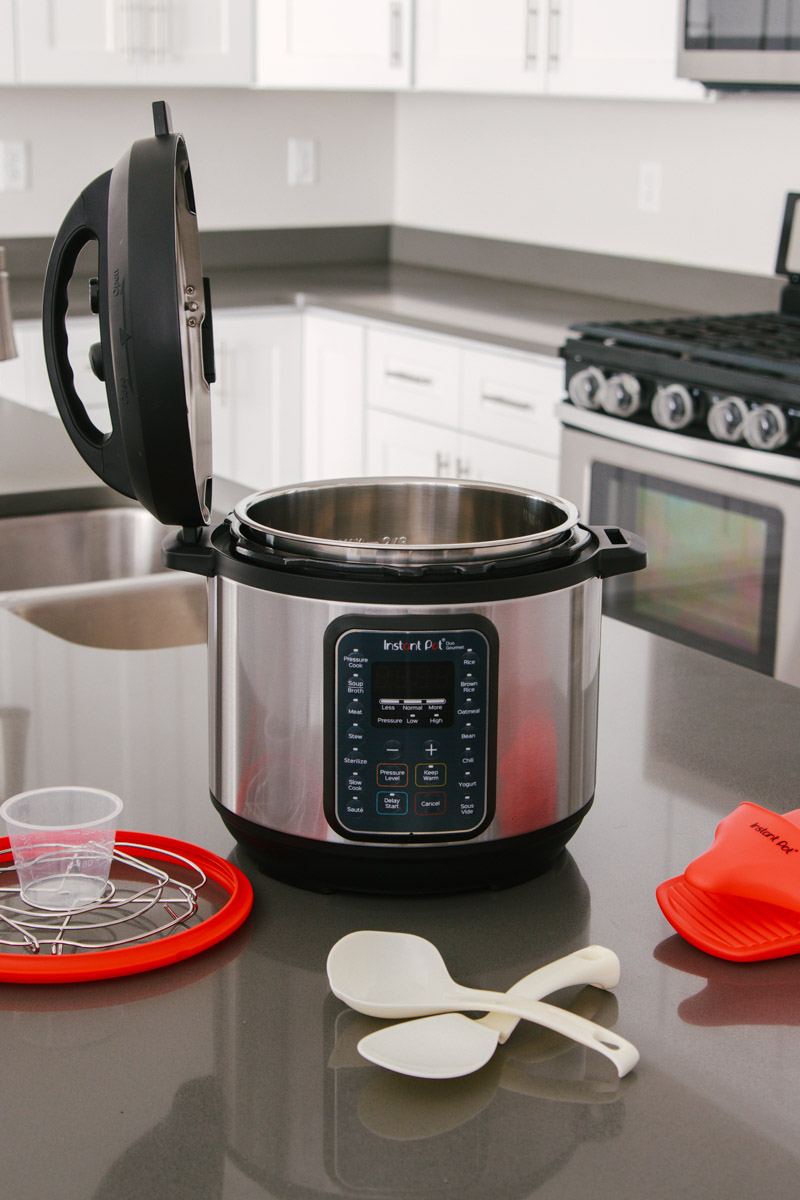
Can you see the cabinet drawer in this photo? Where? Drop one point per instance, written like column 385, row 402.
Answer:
column 513, row 399
column 413, row 377
column 491, row 462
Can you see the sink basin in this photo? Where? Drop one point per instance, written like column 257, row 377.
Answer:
column 95, row 577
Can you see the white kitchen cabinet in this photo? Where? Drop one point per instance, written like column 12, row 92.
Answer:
column 611, row 48
column 350, row 44
column 452, row 409
column 7, row 59
column 413, row 375
column 512, row 399
column 25, row 379
column 256, row 402
column 621, row 48
column 333, row 396
column 401, row 446
column 481, row 45
column 112, row 42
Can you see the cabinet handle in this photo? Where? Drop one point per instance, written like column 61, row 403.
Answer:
column 158, row 26
column 442, row 465
column 395, row 34
column 554, row 35
column 463, row 469
column 128, row 44
column 408, row 377
column 521, row 405
column 531, row 35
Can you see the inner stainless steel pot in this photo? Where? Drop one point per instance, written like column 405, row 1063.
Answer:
column 406, row 520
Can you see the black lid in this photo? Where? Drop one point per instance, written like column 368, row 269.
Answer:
column 156, row 348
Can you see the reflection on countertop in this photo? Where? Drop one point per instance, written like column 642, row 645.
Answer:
column 234, row 1075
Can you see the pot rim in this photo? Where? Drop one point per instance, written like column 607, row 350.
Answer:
column 345, row 550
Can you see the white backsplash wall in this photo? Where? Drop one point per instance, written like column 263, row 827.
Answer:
column 237, row 142
column 561, row 172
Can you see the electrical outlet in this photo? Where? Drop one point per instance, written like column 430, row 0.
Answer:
column 13, row 167
column 650, row 187
column 301, row 161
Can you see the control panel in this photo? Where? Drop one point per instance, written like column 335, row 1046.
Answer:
column 411, row 732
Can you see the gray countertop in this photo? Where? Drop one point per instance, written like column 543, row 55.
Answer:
column 234, row 1074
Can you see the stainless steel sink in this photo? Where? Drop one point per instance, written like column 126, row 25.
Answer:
column 94, row 576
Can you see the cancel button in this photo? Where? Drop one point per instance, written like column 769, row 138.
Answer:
column 429, row 804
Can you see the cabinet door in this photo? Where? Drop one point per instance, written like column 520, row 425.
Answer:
column 413, row 376
column 333, row 397
column 256, row 403
column 79, row 41
column 492, row 462
column 513, row 399
column 351, row 44
column 615, row 48
column 199, row 42
column 399, row 446
column 196, row 42
column 7, row 65
column 481, row 45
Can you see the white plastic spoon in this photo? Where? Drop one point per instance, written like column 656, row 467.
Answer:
column 450, row 1045
column 387, row 974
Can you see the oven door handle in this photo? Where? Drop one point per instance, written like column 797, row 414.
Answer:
column 618, row 550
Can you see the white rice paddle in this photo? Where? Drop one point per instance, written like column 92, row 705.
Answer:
column 389, row 975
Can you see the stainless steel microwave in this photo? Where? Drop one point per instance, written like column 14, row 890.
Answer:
column 740, row 43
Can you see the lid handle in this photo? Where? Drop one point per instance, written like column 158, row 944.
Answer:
column 87, row 220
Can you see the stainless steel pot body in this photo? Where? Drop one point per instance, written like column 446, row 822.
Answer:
column 267, row 703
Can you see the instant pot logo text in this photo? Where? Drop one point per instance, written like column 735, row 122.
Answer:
column 419, row 644
column 779, row 842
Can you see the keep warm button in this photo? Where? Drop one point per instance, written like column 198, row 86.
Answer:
column 432, row 774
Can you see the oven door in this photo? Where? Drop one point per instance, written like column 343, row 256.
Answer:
column 721, row 576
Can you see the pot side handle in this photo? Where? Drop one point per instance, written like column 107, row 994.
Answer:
column 618, row 551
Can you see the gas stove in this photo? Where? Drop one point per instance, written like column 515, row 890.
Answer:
column 724, row 379
column 733, row 379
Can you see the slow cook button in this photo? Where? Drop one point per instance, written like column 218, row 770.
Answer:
column 392, row 804
column 430, row 774
column 430, row 804
column 355, row 782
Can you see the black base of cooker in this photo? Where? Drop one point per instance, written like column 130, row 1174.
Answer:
column 400, row 870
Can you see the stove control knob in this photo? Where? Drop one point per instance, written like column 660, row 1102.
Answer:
column 767, row 427
column 673, row 406
column 621, row 395
column 586, row 387
column 726, row 418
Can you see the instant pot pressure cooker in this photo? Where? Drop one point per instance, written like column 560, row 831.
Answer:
column 403, row 672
